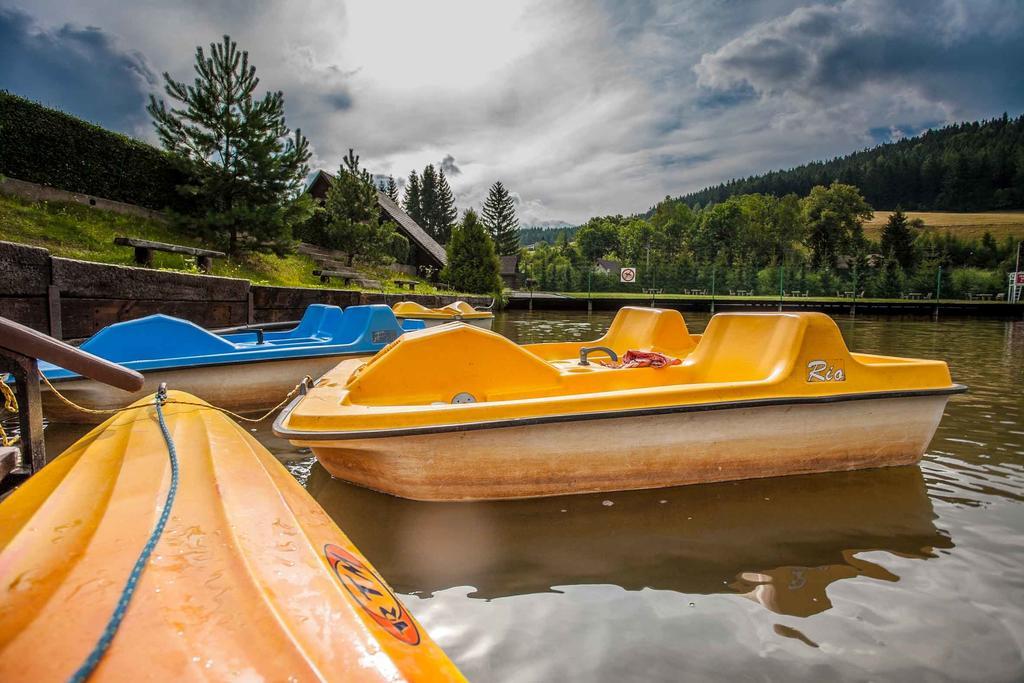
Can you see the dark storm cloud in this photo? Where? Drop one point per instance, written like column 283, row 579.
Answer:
column 944, row 51
column 449, row 167
column 339, row 101
column 80, row 70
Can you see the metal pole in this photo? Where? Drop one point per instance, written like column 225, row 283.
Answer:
column 938, row 289
column 781, row 293
column 712, row 288
column 853, row 309
column 590, row 304
column 1016, row 269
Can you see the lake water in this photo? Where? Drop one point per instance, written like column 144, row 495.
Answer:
column 911, row 573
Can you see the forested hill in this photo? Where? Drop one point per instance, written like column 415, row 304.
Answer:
column 975, row 166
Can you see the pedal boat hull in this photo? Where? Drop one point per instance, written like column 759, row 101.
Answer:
column 238, row 387
column 243, row 372
column 731, row 417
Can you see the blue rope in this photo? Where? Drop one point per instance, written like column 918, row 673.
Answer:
column 93, row 660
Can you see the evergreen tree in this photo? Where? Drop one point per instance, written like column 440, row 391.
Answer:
column 472, row 262
column 352, row 216
column 499, row 216
column 428, row 200
column 391, row 189
column 412, row 200
column 891, row 278
column 445, row 213
column 898, row 239
column 248, row 168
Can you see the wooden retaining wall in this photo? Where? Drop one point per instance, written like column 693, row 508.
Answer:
column 71, row 299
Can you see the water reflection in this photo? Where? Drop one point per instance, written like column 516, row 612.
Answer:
column 780, row 542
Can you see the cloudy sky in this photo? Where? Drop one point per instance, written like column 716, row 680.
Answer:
column 580, row 108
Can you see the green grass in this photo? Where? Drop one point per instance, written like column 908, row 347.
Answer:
column 759, row 297
column 76, row 231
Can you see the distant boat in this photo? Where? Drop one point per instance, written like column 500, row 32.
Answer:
column 249, row 580
column 242, row 372
column 457, row 311
column 459, row 413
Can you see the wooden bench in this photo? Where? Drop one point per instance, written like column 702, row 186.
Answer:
column 411, row 284
column 144, row 252
column 346, row 275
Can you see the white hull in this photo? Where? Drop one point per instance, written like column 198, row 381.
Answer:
column 238, row 387
column 637, row 452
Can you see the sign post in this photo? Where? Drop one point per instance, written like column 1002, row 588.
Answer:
column 1015, row 290
column 627, row 275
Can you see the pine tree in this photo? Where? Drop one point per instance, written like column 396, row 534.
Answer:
column 412, row 200
column 472, row 263
column 248, row 168
column 391, row 189
column 352, row 222
column 445, row 214
column 891, row 278
column 898, row 239
column 499, row 216
column 428, row 199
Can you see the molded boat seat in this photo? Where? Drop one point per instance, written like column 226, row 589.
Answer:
column 639, row 329
column 747, row 347
column 320, row 321
column 150, row 338
column 421, row 370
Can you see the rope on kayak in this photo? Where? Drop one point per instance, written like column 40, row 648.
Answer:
column 11, row 406
column 93, row 660
column 306, row 381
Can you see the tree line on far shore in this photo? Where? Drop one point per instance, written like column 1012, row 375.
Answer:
column 973, row 166
column 760, row 243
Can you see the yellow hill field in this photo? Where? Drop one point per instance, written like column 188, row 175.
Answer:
column 966, row 225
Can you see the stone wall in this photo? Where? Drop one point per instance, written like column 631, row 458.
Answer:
column 44, row 193
column 71, row 299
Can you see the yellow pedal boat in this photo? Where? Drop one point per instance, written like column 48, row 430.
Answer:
column 457, row 311
column 250, row 580
column 458, row 413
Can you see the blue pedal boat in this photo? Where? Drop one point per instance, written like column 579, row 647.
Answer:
column 244, row 371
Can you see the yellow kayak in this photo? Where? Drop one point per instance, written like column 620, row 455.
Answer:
column 250, row 580
column 454, row 312
column 457, row 413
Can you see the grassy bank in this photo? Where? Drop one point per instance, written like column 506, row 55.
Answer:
column 81, row 232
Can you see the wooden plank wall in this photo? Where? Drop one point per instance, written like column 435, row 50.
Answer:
column 72, row 299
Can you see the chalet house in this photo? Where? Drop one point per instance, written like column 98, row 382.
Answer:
column 510, row 270
column 423, row 249
column 607, row 266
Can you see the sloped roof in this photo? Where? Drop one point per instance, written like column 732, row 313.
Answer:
column 406, row 224
column 412, row 228
column 509, row 264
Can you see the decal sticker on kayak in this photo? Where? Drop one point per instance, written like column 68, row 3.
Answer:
column 369, row 591
column 826, row 371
